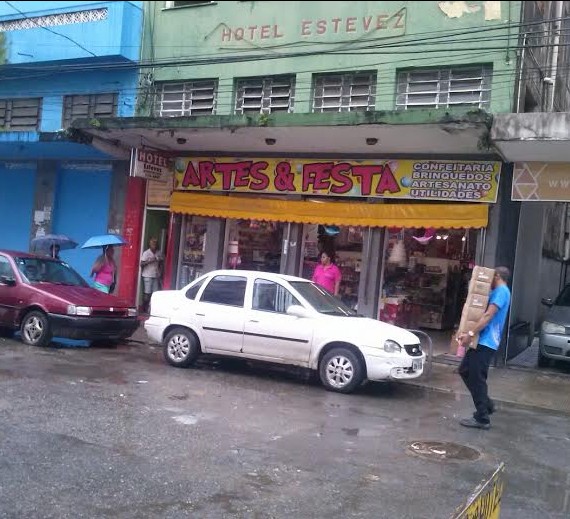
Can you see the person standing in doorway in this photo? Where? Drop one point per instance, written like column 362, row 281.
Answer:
column 327, row 274
column 151, row 264
column 475, row 365
column 104, row 269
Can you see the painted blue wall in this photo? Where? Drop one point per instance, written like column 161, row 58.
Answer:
column 118, row 36
column 52, row 87
column 17, row 188
column 82, row 210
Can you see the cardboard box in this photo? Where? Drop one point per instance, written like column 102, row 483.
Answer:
column 472, row 314
column 483, row 274
column 480, row 288
column 477, row 301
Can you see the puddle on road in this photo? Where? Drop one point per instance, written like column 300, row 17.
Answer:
column 443, row 451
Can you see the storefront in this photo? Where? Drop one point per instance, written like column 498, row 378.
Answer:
column 405, row 233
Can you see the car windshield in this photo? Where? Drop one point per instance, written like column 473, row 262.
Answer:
column 321, row 300
column 40, row 270
column 564, row 298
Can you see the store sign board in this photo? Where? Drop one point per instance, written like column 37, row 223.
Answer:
column 158, row 193
column 541, row 182
column 448, row 180
column 485, row 501
column 151, row 165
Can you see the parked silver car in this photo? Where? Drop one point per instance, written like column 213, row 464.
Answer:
column 554, row 343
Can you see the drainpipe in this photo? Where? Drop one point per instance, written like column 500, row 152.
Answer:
column 554, row 56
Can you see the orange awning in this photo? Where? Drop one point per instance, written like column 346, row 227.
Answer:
column 364, row 214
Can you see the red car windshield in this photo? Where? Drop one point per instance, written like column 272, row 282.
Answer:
column 40, row 270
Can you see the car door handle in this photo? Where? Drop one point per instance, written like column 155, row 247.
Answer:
column 253, row 321
column 200, row 315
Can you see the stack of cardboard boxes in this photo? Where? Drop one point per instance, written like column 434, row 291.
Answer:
column 476, row 303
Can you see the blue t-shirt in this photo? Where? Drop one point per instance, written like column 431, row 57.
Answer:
column 491, row 335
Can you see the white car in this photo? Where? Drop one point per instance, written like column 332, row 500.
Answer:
column 280, row 319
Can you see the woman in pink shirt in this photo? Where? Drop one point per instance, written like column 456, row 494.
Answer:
column 104, row 270
column 327, row 274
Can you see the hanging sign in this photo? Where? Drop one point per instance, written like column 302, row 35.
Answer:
column 151, row 165
column 541, row 182
column 449, row 180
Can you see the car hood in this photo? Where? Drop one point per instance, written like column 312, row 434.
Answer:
column 370, row 330
column 80, row 296
column 559, row 315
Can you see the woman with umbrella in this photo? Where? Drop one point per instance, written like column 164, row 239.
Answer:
column 104, row 269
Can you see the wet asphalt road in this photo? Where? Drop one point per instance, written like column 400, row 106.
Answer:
column 117, row 433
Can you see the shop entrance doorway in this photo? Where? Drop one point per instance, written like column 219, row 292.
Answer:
column 425, row 281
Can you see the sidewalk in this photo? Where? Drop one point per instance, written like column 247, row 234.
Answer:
column 547, row 390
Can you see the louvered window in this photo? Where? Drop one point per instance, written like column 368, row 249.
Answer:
column 88, row 106
column 265, row 95
column 344, row 92
column 441, row 88
column 188, row 98
column 20, row 114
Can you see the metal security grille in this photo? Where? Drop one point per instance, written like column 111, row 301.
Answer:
column 51, row 20
column 184, row 99
column 344, row 92
column 265, row 95
column 20, row 114
column 441, row 88
column 88, row 106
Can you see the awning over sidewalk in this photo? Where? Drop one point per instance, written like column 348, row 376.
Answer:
column 413, row 215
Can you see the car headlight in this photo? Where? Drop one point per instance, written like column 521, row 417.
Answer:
column 132, row 312
column 548, row 327
column 392, row 347
column 79, row 310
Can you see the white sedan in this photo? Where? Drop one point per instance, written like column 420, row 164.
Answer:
column 280, row 319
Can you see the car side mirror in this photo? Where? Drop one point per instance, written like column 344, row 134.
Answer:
column 546, row 301
column 5, row 280
column 297, row 311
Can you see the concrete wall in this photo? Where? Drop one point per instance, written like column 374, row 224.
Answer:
column 235, row 29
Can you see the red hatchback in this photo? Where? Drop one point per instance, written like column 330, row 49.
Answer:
column 45, row 298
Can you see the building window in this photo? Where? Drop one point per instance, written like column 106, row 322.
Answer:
column 88, row 106
column 184, row 99
column 170, row 5
column 52, row 20
column 441, row 88
column 348, row 92
column 20, row 114
column 265, row 95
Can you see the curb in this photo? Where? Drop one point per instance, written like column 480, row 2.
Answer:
column 506, row 401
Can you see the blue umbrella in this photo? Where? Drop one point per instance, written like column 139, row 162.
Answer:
column 104, row 241
column 43, row 243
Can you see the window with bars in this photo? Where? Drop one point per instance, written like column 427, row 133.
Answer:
column 265, row 95
column 188, row 98
column 442, row 88
column 88, row 106
column 347, row 92
column 20, row 114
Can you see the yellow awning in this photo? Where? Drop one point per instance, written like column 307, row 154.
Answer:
column 444, row 216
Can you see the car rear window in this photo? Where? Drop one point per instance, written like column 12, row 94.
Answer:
column 225, row 290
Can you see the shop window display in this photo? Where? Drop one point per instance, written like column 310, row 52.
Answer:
column 193, row 249
column 426, row 275
column 254, row 245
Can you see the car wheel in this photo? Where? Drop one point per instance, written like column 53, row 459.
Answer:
column 35, row 329
column 543, row 362
column 341, row 370
column 181, row 348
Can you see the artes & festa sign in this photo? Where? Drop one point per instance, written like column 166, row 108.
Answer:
column 464, row 181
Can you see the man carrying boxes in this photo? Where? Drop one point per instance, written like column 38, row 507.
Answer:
column 481, row 328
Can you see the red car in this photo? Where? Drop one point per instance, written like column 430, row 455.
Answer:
column 45, row 298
